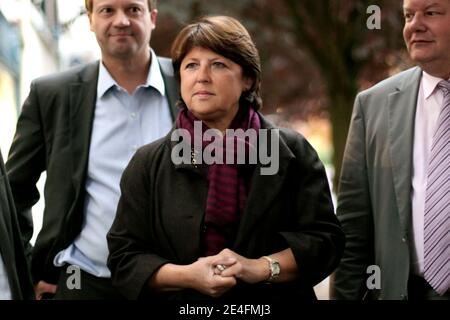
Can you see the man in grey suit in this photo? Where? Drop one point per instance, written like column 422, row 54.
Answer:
column 81, row 127
column 15, row 280
column 396, row 134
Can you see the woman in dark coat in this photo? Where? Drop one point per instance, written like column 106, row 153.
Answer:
column 207, row 214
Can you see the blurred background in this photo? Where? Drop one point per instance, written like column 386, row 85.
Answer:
column 316, row 55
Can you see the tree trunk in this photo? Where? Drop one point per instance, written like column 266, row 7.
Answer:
column 340, row 111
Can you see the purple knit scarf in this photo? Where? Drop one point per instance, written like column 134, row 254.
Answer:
column 228, row 185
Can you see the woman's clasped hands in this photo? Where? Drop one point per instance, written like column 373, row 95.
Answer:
column 215, row 275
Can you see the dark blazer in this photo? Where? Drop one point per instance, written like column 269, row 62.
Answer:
column 161, row 210
column 11, row 248
column 374, row 198
column 53, row 135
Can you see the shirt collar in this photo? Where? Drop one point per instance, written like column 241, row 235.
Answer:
column 154, row 78
column 105, row 81
column 429, row 84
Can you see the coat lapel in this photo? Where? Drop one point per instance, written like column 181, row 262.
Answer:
column 402, row 110
column 82, row 102
column 261, row 197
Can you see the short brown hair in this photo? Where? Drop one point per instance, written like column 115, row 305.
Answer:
column 229, row 38
column 88, row 5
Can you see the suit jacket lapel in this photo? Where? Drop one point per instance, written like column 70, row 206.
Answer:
column 402, row 110
column 82, row 102
column 260, row 196
column 171, row 84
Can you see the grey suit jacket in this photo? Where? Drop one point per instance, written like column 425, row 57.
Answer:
column 53, row 135
column 374, row 198
column 11, row 249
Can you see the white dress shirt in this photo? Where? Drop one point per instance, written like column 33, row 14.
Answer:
column 429, row 104
column 122, row 124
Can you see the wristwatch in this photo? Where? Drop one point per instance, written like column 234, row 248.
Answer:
column 274, row 267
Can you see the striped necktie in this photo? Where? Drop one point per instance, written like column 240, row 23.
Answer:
column 437, row 202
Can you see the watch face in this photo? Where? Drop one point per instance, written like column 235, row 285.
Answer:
column 276, row 268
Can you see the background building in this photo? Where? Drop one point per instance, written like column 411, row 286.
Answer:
column 28, row 49
column 10, row 48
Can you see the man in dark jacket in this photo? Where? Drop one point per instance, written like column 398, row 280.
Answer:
column 15, row 280
column 81, row 127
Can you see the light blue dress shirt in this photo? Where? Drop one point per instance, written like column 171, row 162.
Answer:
column 122, row 124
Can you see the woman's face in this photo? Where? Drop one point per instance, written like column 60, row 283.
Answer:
column 211, row 86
